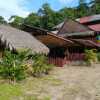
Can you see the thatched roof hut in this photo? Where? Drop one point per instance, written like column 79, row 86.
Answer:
column 51, row 40
column 48, row 38
column 71, row 26
column 63, row 40
column 17, row 39
column 78, row 34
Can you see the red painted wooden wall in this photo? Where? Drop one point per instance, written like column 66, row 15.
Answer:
column 66, row 60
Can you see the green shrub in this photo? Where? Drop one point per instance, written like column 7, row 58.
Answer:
column 98, row 56
column 40, row 65
column 12, row 65
column 90, row 57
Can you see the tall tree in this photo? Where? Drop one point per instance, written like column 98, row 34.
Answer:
column 46, row 16
column 32, row 20
column 2, row 20
column 16, row 21
column 69, row 13
column 95, row 6
column 82, row 9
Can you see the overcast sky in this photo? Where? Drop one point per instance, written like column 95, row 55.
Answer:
column 24, row 7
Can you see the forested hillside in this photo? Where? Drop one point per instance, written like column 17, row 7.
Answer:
column 47, row 18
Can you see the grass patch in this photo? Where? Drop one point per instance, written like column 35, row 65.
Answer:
column 36, row 98
column 8, row 91
column 51, row 80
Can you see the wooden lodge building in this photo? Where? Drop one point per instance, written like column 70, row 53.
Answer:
column 64, row 45
column 15, row 39
column 77, row 32
column 92, row 22
column 67, row 43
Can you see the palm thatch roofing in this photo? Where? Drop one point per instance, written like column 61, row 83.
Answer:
column 77, row 34
column 17, row 39
column 35, row 31
column 71, row 26
column 48, row 38
column 53, row 40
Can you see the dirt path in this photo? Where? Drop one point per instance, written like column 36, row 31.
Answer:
column 78, row 83
column 68, row 83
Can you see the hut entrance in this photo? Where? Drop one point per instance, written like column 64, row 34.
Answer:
column 56, row 56
column 60, row 56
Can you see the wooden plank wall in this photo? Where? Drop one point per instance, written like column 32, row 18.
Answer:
column 60, row 62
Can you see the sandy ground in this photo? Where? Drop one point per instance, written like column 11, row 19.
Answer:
column 78, row 83
column 67, row 83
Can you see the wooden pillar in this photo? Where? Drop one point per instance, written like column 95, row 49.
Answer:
column 67, row 55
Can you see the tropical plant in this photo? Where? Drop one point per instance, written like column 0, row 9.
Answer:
column 12, row 65
column 16, row 21
column 2, row 20
column 32, row 19
column 98, row 56
column 90, row 56
column 40, row 65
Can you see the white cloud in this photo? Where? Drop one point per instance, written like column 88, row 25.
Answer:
column 69, row 3
column 66, row 1
column 13, row 7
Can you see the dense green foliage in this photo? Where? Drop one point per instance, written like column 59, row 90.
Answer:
column 12, row 65
column 40, row 65
column 90, row 56
column 16, row 21
column 2, row 20
column 15, row 66
column 98, row 56
column 47, row 18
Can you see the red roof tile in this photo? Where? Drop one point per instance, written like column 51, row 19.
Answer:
column 95, row 27
column 84, row 20
column 89, row 19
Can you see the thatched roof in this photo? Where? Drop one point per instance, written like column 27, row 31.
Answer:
column 17, row 39
column 48, row 38
column 71, row 26
column 87, row 33
column 52, row 40
column 35, row 31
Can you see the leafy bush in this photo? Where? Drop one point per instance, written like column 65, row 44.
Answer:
column 40, row 65
column 98, row 56
column 90, row 56
column 12, row 65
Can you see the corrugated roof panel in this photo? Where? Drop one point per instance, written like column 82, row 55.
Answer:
column 95, row 27
column 89, row 19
